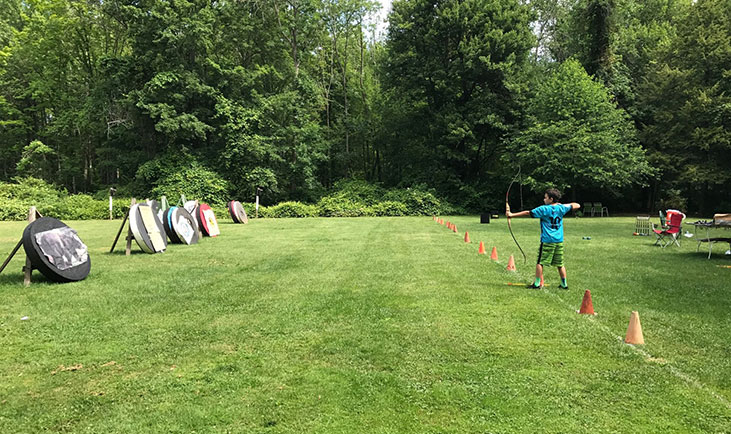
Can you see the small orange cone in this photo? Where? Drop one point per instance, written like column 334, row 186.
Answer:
column 454, row 228
column 511, row 263
column 587, row 308
column 481, row 249
column 466, row 237
column 449, row 225
column 493, row 255
column 634, row 330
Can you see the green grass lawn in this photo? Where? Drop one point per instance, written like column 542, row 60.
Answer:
column 368, row 325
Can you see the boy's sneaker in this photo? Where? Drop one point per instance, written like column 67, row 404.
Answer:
column 563, row 287
column 532, row 286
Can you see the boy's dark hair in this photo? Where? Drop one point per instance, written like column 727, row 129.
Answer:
column 554, row 194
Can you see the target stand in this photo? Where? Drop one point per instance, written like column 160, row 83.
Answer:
column 33, row 214
column 130, row 236
column 52, row 248
column 144, row 227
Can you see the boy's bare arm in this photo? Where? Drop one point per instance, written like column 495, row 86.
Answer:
column 574, row 205
column 509, row 214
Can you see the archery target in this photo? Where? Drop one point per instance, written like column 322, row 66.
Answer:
column 184, row 225
column 147, row 229
column 167, row 223
column 238, row 214
column 207, row 220
column 56, row 250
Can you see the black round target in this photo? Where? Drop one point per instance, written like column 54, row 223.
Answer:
column 167, row 223
column 56, row 250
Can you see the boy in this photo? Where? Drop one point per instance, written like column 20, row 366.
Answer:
column 551, row 250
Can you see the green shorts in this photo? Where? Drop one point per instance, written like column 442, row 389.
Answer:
column 551, row 254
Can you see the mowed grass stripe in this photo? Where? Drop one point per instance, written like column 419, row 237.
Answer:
column 336, row 325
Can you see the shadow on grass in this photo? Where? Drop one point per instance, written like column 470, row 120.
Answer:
column 16, row 278
column 122, row 252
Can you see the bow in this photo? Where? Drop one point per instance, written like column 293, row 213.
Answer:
column 507, row 209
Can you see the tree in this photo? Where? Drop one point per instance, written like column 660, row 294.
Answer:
column 577, row 138
column 687, row 119
column 447, row 71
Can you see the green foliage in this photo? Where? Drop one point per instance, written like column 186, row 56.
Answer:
column 358, row 190
column 35, row 160
column 175, row 174
column 13, row 209
column 686, row 102
column 338, row 206
column 292, row 209
column 32, row 191
column 390, row 208
column 78, row 207
column 417, row 201
column 577, row 137
column 449, row 101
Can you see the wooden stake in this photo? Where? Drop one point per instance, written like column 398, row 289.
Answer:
column 198, row 224
column 15, row 250
column 33, row 214
column 128, row 249
column 28, row 268
column 129, row 232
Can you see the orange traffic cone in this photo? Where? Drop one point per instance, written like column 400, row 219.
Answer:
column 481, row 249
column 493, row 255
column 634, row 330
column 466, row 237
column 587, row 307
column 449, row 225
column 454, row 228
column 511, row 263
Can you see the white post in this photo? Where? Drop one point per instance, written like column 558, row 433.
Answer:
column 110, row 207
column 257, row 206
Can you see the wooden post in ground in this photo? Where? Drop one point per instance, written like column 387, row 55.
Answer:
column 28, row 268
column 128, row 249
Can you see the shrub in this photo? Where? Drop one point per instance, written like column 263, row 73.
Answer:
column 13, row 209
column 194, row 182
column 30, row 190
column 338, row 206
column 77, row 207
column 173, row 174
column 292, row 209
column 358, row 191
column 390, row 208
column 417, row 201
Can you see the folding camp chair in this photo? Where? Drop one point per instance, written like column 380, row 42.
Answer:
column 588, row 209
column 601, row 209
column 663, row 220
column 642, row 225
column 666, row 237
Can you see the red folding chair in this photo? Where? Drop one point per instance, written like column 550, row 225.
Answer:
column 669, row 235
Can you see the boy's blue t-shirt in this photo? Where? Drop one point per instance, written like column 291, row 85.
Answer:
column 551, row 221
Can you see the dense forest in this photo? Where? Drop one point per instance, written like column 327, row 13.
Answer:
column 622, row 101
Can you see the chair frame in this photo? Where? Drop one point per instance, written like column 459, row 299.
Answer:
column 599, row 208
column 671, row 234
